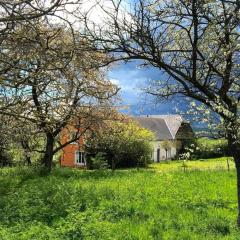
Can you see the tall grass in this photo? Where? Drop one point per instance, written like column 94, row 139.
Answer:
column 144, row 204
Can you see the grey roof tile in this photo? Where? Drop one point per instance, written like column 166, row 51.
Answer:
column 157, row 126
column 167, row 127
column 173, row 122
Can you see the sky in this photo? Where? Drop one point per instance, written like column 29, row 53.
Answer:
column 128, row 76
column 132, row 79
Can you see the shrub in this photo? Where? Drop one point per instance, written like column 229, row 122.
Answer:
column 5, row 158
column 204, row 148
column 124, row 144
column 211, row 148
column 98, row 162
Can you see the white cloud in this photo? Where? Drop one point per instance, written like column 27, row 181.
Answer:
column 115, row 81
column 98, row 12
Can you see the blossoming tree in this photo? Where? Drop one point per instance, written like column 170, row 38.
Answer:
column 195, row 43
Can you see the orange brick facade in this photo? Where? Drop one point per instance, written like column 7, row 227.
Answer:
column 68, row 156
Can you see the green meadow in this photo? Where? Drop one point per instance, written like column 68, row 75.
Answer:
column 160, row 202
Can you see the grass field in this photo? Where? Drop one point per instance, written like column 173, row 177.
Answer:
column 201, row 165
column 161, row 202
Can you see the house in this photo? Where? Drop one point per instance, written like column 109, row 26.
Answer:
column 73, row 154
column 170, row 132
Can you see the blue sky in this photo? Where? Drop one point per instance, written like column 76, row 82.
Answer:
column 131, row 79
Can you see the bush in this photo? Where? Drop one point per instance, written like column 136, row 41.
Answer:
column 124, row 144
column 204, row 148
column 98, row 162
column 211, row 148
column 135, row 153
column 5, row 159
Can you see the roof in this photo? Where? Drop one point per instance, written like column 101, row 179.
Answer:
column 157, row 126
column 164, row 126
column 173, row 122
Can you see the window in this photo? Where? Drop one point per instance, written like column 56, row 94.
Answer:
column 79, row 158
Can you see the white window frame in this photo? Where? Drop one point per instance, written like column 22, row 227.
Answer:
column 80, row 155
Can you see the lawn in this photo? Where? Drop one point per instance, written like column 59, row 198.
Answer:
column 161, row 202
column 201, row 165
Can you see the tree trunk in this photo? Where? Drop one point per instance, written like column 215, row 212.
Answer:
column 228, row 164
column 27, row 151
column 238, row 189
column 48, row 155
column 234, row 147
column 236, row 156
column 28, row 160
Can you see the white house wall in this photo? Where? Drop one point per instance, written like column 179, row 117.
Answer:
column 158, row 145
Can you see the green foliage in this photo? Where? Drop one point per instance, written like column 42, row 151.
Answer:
column 124, row 144
column 204, row 148
column 125, row 204
column 209, row 148
column 5, row 158
column 99, row 161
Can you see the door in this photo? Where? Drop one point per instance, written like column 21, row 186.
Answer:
column 158, row 155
